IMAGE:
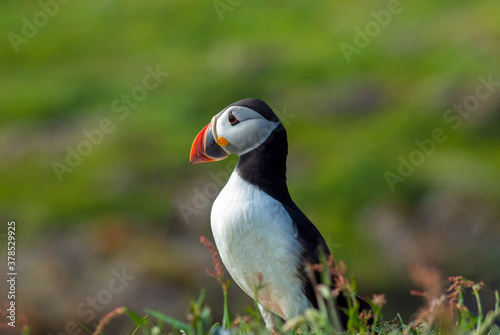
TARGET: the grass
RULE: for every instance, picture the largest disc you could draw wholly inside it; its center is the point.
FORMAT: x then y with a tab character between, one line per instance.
444	311
446	314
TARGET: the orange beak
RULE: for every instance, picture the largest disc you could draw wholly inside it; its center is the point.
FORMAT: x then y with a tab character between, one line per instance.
205	148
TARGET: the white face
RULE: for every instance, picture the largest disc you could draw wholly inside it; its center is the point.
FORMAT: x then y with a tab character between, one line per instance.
243	128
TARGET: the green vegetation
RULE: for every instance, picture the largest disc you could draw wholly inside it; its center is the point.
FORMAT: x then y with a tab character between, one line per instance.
348	123
444	313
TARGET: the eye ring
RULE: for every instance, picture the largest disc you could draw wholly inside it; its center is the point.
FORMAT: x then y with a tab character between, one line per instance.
233	120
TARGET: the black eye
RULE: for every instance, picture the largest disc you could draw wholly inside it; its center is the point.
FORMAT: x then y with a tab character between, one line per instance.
233	120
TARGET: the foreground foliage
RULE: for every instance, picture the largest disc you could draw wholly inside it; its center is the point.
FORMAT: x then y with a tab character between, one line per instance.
444	311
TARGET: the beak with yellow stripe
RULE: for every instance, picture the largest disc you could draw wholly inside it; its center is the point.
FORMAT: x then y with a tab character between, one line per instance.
207	146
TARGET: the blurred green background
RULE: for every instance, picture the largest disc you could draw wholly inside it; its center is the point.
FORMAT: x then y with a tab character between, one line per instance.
120	207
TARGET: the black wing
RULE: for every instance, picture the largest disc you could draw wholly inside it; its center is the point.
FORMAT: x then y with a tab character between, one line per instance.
314	245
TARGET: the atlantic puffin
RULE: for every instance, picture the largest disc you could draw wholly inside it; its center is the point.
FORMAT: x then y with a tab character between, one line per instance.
260	233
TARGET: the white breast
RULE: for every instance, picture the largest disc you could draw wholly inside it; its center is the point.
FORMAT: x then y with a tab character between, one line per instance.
255	237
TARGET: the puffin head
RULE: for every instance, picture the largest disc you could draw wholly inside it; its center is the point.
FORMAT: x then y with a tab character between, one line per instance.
238	129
